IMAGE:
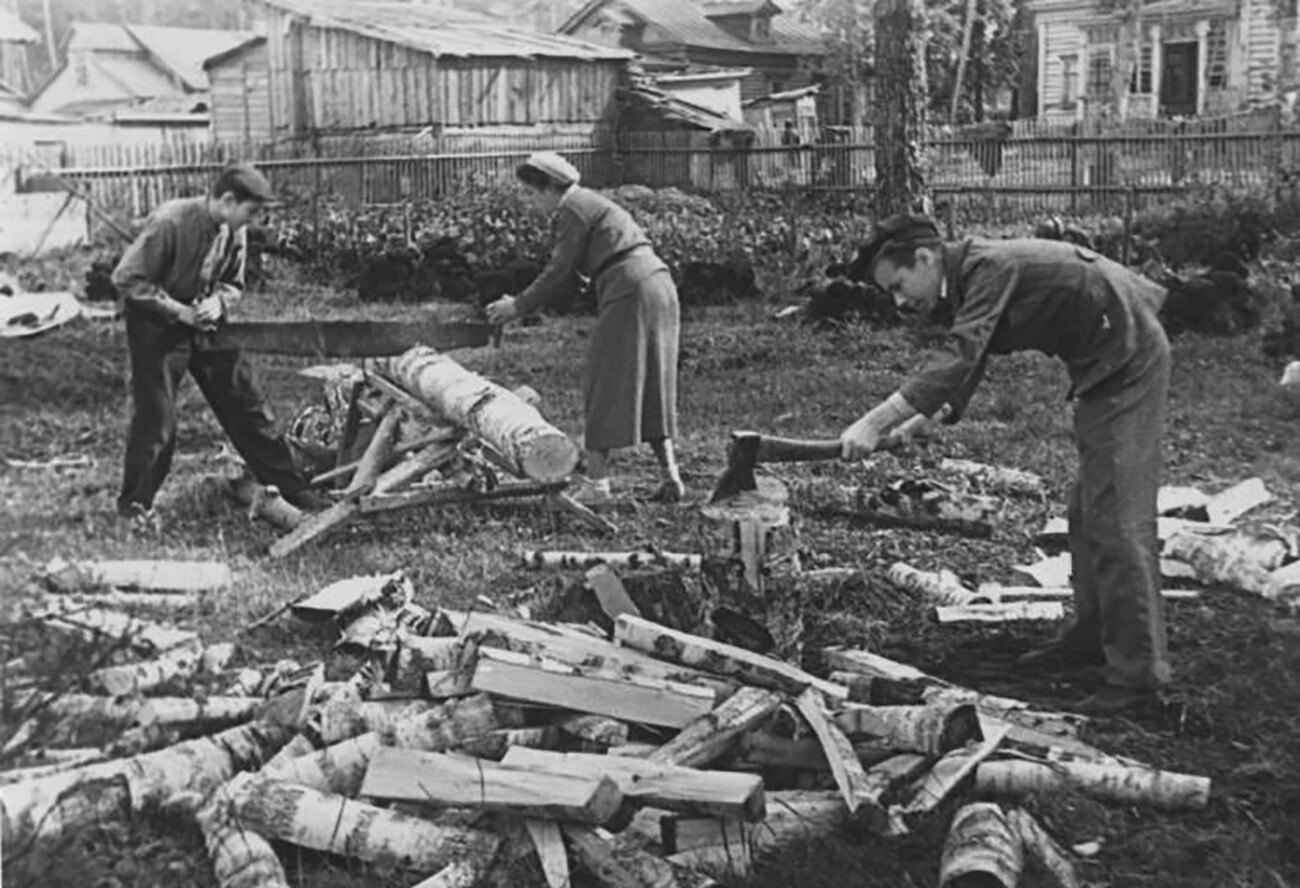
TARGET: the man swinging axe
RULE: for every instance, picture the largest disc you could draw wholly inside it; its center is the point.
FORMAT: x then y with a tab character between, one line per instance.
1003	296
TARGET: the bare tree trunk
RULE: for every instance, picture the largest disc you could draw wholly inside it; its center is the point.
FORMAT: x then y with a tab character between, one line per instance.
900	107
1126	56
972	9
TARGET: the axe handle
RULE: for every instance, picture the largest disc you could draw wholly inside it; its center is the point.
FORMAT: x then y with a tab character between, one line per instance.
773	449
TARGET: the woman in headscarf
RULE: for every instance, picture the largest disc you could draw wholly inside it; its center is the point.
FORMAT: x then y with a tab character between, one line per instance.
630	375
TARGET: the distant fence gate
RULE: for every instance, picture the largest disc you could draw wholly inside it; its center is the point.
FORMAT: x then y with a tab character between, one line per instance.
1005	178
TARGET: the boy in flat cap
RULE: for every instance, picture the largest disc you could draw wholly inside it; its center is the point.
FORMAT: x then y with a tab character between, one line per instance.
630	375
178	279
1100	318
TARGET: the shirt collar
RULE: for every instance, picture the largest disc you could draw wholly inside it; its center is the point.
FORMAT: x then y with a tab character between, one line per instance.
568	192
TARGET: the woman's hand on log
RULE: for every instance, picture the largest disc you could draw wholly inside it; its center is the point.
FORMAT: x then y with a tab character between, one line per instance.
504	309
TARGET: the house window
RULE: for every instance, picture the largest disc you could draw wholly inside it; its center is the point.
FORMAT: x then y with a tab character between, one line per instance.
1216	54
762	27
1099	67
82	70
1286	63
778	86
1141	82
1069	81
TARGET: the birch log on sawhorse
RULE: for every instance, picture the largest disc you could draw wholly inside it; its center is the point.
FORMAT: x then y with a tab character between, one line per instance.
533	447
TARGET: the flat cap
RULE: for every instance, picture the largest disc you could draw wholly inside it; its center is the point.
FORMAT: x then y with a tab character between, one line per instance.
554	166
905	228
244	179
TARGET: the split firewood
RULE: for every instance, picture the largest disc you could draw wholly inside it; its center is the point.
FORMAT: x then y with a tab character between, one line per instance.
1056	531
997	592
929	791
619	865
792	816
627	697
855	786
596	729
93	624
1039	844
420	654
336	825
941	587
709	736
999	478
240	858
671	787
1107	781
718	658
495	745
935	690
1189	501
610	594
538	558
444	780
265	503
533	447
52	806
341	766
145	576
932	730
351	594
299	746
468	872
179	665
1231	559
1229	505
549	843
568	645
343	717
1001	612
983	848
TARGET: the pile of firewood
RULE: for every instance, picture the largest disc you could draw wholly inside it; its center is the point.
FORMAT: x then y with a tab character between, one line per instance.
471	743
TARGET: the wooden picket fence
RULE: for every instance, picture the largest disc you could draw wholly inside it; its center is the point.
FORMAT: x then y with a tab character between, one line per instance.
1071	169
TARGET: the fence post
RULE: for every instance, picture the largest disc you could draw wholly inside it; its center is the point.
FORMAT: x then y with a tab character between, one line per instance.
1130	195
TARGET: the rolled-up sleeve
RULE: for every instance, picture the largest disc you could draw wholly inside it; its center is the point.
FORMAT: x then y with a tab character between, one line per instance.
560	277
952	373
143	267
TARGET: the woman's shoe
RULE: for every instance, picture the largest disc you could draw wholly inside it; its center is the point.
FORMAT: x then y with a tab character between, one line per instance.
672	490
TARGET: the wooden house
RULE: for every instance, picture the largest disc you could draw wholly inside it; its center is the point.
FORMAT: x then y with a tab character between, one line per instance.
16	40
781	52
338	68
112	68
1195	57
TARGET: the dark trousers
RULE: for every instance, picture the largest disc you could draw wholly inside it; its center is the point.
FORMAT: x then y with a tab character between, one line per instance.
1114	548
161	354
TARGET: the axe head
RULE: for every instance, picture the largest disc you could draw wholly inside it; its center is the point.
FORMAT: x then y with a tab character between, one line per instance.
742	456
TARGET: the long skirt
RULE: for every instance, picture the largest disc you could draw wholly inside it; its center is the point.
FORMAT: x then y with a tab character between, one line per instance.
630	376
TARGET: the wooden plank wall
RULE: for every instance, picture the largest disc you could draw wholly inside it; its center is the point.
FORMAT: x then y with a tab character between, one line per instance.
356	82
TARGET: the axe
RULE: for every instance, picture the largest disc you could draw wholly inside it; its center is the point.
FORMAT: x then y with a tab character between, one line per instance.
748	449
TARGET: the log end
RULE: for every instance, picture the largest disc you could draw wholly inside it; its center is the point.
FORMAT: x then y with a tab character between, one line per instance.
548	458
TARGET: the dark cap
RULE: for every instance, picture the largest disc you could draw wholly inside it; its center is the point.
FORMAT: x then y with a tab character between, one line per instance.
903	229
245	182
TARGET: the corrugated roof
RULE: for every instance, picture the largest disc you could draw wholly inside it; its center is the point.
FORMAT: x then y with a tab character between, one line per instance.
15	30
183	50
444	31
737	7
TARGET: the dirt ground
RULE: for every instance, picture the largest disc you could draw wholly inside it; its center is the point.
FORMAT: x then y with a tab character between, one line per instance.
1232	713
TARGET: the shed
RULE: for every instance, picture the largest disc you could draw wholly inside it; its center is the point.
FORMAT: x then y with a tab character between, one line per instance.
338	67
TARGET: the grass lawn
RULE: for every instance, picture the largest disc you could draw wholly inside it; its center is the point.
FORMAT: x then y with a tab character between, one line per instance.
1233	712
